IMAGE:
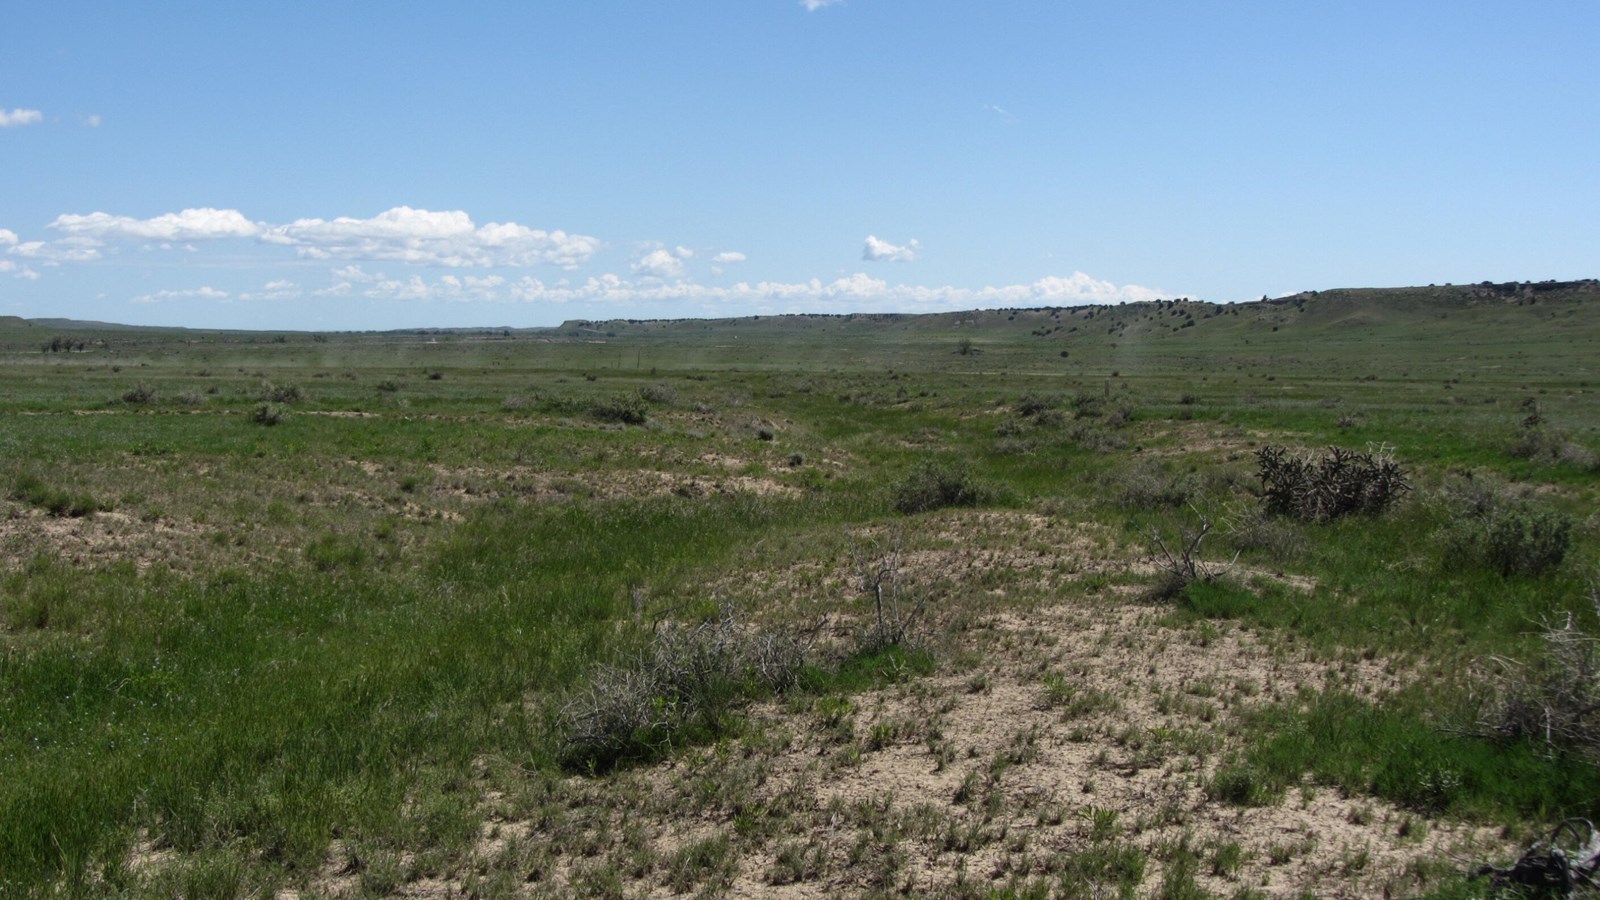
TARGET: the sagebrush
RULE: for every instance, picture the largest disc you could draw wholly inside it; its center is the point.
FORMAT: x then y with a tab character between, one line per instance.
934	485
688	676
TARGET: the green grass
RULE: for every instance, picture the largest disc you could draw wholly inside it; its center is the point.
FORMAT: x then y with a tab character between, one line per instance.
277	710
1407	752
237	642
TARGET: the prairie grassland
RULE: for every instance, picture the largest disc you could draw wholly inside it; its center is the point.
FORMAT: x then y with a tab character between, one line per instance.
316	615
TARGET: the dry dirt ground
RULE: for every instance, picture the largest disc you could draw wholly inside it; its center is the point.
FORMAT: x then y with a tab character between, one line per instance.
225	515
1066	743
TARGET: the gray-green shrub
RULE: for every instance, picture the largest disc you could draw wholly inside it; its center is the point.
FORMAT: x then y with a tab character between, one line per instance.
1493	526
287	393
269	414
629	409
687	677
1523	539
935	485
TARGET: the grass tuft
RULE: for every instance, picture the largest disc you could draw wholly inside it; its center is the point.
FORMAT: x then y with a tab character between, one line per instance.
30	489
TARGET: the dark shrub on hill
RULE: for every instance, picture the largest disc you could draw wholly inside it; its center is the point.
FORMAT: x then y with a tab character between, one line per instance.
139	394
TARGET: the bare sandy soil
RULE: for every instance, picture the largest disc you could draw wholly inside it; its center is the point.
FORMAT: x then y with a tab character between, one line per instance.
1068	723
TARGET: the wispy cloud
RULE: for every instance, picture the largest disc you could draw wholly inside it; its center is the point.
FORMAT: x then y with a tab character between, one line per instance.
17	270
814	5
1001	113
12	118
51	253
883	251
93	120
729	256
200	293
853	292
282	289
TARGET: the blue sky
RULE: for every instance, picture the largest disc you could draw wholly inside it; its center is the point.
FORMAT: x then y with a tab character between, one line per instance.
336	165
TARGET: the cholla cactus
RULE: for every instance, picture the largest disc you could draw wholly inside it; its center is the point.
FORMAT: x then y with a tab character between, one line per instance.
1340	483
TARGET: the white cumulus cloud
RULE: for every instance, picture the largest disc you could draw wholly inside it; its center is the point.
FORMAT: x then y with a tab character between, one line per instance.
7	237
729	256
20	117
189	225
883	251
424	237
402	234
659	264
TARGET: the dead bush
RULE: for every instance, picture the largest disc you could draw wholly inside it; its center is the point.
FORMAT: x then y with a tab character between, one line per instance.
1180	561
1554	700
877	567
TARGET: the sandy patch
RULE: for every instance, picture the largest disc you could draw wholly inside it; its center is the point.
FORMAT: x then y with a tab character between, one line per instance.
1081	726
95	540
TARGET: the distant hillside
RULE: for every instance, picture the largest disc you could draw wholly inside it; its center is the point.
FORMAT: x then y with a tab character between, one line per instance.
1387	303
1539	329
88	325
1522	330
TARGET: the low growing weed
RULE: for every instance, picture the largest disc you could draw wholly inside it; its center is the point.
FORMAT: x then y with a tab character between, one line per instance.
30	489
1395	751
